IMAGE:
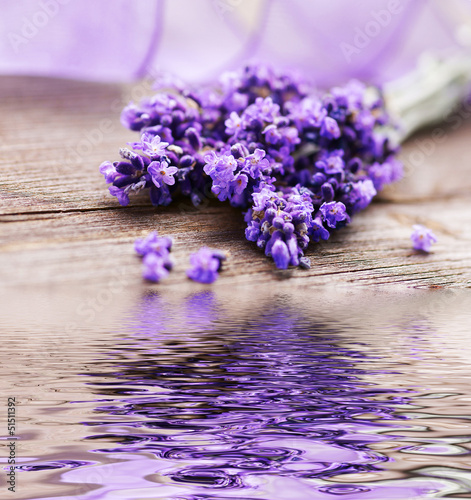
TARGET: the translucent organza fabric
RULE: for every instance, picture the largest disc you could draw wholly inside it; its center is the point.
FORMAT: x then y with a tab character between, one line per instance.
330	41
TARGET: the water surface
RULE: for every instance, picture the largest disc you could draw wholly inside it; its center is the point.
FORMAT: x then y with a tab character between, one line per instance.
242	394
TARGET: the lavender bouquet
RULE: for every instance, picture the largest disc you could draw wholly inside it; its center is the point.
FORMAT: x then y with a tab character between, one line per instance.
298	162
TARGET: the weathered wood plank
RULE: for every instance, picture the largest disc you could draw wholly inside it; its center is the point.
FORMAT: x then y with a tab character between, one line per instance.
59	225
94	246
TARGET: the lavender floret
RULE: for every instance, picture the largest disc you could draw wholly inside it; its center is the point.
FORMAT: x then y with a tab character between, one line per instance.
155	250
333	213
153	243
155	267
422	238
205	265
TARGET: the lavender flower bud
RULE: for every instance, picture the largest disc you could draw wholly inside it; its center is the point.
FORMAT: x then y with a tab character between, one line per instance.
334	183
318	179
278	222
354	165
178	117
270	213
238	150
280	254
194	138
125	168
166	120
255	125
288	229
186	161
327	192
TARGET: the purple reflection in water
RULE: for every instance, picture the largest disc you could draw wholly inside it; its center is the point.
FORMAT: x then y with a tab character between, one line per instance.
263	406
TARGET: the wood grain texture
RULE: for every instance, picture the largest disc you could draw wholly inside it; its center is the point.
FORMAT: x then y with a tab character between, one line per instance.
58	225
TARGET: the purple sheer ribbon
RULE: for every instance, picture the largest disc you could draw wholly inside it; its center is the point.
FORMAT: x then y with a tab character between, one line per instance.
121	40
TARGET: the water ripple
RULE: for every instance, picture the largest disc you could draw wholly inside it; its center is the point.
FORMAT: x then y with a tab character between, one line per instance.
269	402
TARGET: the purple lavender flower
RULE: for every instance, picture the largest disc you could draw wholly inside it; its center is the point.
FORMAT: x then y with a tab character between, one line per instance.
211	159
153	145
252	232
155	268
361	194
309	113
109	171
422	238
272	134
333	213
239	183
318	231
225	168
264	109
332	163
157	262
283	217
121	194
280	254
330	128
257	163
230	176
379	175
236	102
220	168
160	196
134	118
233	124
161	173
153	243
205	265
262	197
222	190
290	137
302	163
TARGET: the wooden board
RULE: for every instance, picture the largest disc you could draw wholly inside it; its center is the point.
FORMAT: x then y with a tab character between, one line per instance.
59	225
